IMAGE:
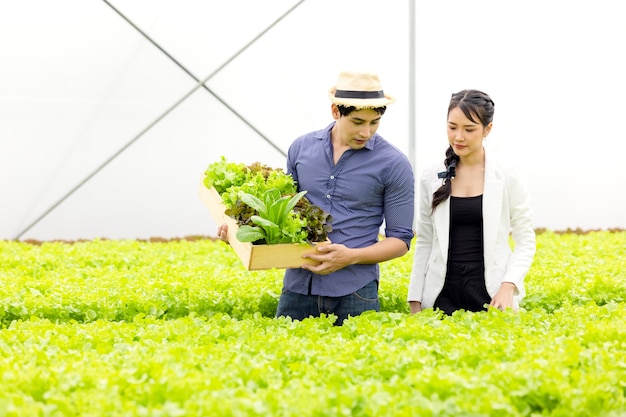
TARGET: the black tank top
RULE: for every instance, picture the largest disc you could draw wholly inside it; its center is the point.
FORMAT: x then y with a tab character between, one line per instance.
466	229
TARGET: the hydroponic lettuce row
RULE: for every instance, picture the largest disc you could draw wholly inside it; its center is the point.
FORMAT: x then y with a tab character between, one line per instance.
120	328
266	204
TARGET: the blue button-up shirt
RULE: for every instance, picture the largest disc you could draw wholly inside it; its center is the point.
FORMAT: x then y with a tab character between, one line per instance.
365	187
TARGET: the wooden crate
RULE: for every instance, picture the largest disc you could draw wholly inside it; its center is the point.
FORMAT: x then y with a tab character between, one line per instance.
256	257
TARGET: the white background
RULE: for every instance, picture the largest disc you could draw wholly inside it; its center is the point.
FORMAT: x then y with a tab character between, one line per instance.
78	83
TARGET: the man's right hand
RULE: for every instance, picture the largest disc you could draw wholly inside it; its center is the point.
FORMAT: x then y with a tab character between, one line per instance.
222	232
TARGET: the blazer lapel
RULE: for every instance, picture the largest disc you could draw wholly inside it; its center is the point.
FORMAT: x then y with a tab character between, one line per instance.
492	208
441	222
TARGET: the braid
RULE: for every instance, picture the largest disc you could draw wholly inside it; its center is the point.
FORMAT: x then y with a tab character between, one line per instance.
444	191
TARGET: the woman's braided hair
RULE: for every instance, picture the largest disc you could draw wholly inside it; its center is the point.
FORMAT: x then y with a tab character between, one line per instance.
475	105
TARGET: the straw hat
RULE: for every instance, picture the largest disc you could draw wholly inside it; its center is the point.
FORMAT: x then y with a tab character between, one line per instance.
359	89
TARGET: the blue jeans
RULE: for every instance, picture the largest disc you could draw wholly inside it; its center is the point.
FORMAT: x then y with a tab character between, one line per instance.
299	307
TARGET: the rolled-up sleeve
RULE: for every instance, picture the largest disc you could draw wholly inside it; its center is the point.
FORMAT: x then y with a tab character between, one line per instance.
400	203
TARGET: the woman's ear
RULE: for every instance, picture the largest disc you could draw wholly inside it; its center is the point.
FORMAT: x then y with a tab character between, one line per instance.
488	129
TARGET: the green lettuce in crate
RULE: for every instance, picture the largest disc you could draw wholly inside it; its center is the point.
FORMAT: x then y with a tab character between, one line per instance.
266	204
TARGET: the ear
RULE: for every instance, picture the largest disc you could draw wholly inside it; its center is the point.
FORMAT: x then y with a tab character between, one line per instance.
488	129
335	111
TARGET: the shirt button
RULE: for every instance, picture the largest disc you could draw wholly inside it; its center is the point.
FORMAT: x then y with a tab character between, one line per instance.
327	195
332	177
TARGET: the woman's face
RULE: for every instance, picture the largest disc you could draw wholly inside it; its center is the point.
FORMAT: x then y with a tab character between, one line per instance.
465	136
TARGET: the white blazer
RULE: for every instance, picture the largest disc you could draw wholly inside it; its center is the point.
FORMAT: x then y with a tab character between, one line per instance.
506	212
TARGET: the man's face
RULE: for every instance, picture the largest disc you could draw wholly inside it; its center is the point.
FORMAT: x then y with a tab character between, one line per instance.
355	129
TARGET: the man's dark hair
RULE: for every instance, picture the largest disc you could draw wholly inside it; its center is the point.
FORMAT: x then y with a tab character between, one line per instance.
346	110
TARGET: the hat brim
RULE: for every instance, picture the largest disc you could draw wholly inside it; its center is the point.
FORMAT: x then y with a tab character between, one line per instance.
370	103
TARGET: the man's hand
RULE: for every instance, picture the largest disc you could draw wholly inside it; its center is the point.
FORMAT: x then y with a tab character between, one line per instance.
222	232
332	258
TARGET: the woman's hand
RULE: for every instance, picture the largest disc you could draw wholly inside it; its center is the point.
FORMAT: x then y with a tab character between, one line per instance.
415	306
504	297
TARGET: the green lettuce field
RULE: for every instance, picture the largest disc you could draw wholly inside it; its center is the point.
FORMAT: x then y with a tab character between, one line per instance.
179	328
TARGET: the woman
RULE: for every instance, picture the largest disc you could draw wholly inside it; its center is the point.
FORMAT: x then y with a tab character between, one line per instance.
468	207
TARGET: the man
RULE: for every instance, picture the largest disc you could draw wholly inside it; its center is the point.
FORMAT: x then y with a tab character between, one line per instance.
362	180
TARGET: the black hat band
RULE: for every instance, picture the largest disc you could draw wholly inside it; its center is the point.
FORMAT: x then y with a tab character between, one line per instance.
359	94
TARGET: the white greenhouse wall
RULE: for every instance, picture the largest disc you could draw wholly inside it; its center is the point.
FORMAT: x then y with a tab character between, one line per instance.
78	83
